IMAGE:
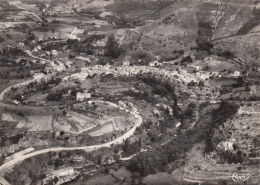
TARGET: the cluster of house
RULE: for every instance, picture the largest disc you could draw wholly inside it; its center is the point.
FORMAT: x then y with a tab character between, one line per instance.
180	75
155	64
240	131
226	145
52	53
63	174
165	107
128	105
54	66
84	59
205	94
83	96
57	10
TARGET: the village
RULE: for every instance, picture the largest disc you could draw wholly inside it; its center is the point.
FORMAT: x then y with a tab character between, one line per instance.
77	121
129	92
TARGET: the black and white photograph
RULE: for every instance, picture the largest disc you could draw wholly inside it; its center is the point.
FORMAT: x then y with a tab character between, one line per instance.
129	92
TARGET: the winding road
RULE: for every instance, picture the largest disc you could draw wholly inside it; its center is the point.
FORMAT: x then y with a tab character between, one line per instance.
10	164
16	159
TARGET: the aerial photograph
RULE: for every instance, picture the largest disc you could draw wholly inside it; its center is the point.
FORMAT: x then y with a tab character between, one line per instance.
129	92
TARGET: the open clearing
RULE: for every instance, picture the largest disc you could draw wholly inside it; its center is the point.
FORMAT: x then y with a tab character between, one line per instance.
40	123
106	128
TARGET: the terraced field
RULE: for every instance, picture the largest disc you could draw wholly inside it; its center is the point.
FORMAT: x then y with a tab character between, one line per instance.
96	123
239	132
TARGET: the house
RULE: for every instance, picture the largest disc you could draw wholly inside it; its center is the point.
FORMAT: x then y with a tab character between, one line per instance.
21	44
78	158
48	53
37	48
127	61
236	74
106	67
83	96
226	145
122	104
16	102
68	63
178	124
38	76
15	3
156	112
157	57
155	63
151	64
87	60
54	52
63	172
134	109
215	74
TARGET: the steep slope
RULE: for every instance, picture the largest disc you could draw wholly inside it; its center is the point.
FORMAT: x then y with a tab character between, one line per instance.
190	23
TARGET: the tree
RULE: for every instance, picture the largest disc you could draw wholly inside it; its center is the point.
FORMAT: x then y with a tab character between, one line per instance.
58	162
126	145
240	82
140	142
112	47
62	154
73	93
209	147
222	183
54	96
99	159
186	60
62	133
256	141
201	84
42	176
18	97
56	179
30	37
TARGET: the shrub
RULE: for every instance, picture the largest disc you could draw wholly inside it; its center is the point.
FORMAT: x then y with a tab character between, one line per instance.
112	47
54	96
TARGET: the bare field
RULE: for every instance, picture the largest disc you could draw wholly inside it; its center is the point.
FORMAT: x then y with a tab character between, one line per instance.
40	123
104	129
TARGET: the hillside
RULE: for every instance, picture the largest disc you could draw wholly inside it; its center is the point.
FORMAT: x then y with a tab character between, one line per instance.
189	24
167	26
130	92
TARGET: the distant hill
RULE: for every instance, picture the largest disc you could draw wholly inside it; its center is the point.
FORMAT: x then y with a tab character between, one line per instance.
166	26
185	23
